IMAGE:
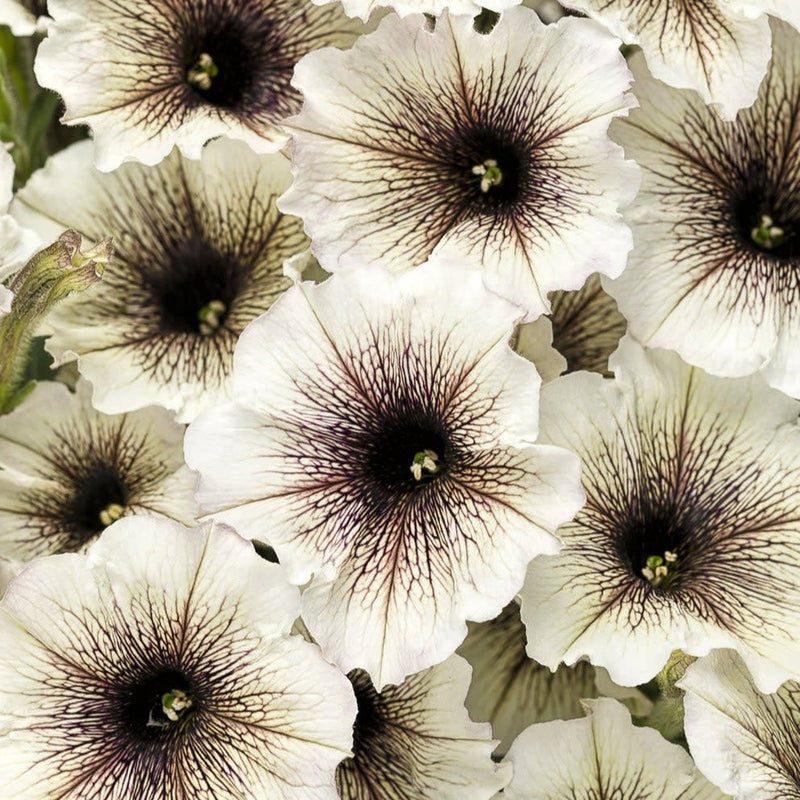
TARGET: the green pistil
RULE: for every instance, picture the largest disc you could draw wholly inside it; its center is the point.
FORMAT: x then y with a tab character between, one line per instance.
424	462
175	703
210	316
489	173
202	71
767	235
660	571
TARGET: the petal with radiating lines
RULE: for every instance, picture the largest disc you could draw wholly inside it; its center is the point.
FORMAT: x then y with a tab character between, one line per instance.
383	443
690	532
160	667
715	270
492	148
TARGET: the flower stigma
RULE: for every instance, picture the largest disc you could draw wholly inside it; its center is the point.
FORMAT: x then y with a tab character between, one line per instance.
111	513
210	316
424	462
490	174
173	706
202	71
660	571
767	235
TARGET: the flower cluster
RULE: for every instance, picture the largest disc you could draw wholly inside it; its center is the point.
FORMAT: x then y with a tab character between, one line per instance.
399	399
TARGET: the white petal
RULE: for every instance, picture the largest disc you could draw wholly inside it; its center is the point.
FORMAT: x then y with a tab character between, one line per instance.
708	46
416	740
602	755
155	598
744	741
707	186
62	463
121	70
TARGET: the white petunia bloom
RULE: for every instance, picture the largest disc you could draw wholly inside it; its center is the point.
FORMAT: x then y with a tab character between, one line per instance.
744	741
602	755
382	441
159	667
710	46
491	148
153	74
416	741
512	691
690	535
67	471
717	226
199	248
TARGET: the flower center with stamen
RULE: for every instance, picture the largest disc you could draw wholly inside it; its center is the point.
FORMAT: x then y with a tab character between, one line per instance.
158	703
211	316
111	513
767	235
194	287
660	571
650	545
202	71
100	496
424	462
173	705
489	173
407	451
489	168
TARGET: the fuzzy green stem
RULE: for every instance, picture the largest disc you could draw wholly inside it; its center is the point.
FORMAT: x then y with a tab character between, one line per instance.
51	275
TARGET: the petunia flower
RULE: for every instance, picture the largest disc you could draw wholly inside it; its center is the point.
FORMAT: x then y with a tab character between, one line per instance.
382	441
491	148
714	273
159	667
743	740
712	46
512	691
416	741
690	531
602	755
67	471
199	248
154	74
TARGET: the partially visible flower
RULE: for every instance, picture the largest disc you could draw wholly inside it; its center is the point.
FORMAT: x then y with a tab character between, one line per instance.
198	252
583	328
709	46
416	741
715	271
153	74
690	535
602	755
17	244
744	741
22	16
363	8
160	668
67	471
487	147
512	691
382	441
